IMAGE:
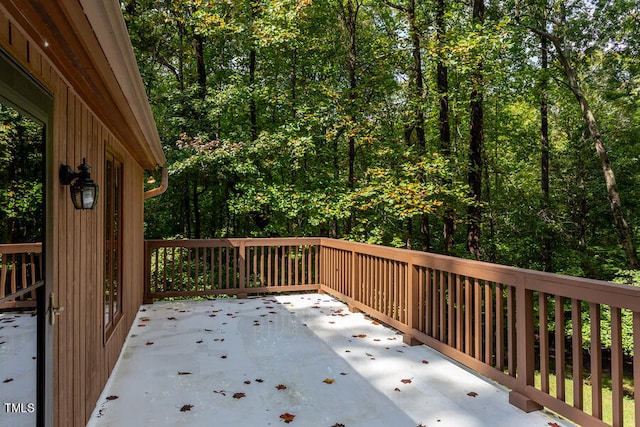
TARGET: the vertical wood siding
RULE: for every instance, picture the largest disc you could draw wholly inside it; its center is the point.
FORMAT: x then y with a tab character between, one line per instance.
82	358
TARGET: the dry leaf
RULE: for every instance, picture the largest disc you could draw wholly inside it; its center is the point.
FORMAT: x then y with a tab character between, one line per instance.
149	342
338	425
238	395
199	342
144	319
281	387
184	373
112	397
287	417
554	425
8	380
472	394
329	381
406	381
222	392
186	408
259	380
396	389
247	382
224	356
425	362
171	318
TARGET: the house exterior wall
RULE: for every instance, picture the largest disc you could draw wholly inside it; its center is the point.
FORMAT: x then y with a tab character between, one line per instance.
83	356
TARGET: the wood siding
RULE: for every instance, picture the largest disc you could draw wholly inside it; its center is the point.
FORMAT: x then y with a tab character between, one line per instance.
83	360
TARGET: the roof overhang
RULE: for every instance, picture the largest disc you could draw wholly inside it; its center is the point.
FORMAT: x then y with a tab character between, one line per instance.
88	42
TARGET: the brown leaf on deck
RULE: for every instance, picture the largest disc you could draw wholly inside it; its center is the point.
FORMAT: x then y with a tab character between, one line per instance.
287	417
186	408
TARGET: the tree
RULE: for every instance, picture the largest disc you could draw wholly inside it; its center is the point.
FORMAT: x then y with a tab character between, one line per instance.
563	52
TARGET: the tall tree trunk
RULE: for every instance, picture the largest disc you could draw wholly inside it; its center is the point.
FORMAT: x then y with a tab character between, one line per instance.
544	158
198	47
475	147
444	126
253	116
418	95
349	15
624	233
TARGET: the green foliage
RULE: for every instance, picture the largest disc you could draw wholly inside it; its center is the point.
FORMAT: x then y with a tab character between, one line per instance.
291	177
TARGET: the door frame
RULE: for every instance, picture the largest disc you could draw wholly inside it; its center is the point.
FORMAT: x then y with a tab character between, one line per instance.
21	91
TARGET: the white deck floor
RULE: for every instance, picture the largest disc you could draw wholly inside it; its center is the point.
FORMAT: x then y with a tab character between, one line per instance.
302	360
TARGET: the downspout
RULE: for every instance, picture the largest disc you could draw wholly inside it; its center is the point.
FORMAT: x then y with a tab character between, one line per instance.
164	183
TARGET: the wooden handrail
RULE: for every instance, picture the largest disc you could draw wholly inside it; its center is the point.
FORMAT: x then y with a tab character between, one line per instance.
20	272
497	320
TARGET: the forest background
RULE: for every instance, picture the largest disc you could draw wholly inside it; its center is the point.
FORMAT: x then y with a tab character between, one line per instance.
501	131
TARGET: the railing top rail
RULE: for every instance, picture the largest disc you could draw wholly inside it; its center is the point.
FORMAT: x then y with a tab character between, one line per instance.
234	242
18	248
590	290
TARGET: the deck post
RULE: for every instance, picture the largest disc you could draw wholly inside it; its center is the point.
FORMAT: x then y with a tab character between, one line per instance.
242	260
413	300
147	274
525	349
354	286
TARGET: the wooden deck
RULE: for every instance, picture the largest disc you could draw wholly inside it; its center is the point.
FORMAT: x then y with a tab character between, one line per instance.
497	320
251	362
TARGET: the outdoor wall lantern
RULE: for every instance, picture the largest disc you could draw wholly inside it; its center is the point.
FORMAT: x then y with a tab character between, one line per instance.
84	192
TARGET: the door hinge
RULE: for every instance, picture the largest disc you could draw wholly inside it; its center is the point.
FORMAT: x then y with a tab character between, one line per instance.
53	310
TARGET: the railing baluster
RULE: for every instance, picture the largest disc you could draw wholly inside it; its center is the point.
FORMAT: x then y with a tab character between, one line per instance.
543	333
596	361
576	356
616	367
559	348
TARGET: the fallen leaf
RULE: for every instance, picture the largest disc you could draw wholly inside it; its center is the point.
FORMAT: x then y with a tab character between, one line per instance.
238	395
149	342
184	373
186	408
199	342
406	381
259	380
554	425
224	356
343	373
472	394
144	319
281	387
8	380
396	389
329	381
338	425
360	336
369	354
247	382
287	417
171	318
375	323
222	392
141	325
112	397
425	362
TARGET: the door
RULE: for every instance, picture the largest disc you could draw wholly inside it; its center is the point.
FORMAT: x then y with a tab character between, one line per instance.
26	178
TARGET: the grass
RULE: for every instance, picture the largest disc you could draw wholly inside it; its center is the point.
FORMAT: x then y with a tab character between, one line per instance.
627	401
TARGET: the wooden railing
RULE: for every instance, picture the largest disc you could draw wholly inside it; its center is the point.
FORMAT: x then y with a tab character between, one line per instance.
20	274
188	268
500	321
